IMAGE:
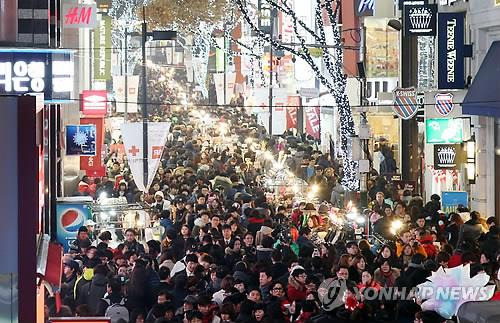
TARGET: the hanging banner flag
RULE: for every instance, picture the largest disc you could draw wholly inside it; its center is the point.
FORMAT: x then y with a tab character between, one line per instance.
102	49
291	111
444	103
133	90
312	115
260	100
133	141
219	87
93	165
451	50
280	99
405	103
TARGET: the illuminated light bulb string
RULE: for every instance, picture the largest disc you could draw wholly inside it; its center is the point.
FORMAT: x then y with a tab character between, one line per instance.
337	85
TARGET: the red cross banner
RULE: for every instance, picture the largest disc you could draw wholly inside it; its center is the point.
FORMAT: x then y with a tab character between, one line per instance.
132	140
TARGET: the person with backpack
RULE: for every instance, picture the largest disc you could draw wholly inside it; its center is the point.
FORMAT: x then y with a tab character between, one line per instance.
112	305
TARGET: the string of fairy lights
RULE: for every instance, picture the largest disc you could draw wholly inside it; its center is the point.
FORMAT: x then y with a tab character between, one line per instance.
332	76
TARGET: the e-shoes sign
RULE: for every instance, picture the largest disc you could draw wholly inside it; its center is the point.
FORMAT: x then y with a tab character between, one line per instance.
420	20
451	50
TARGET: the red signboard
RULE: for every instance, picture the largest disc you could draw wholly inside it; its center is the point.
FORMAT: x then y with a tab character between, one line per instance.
312	121
291	111
92	165
94	103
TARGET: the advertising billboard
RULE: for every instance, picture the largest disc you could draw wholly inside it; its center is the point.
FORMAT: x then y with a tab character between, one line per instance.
444	131
70	217
47	71
450	201
81	140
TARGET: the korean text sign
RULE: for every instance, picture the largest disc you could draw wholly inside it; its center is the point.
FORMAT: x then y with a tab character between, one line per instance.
44	71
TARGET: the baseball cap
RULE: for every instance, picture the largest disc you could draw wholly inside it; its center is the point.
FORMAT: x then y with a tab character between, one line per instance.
89	222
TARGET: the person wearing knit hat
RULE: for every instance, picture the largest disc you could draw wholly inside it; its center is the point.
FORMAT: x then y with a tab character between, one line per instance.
297	284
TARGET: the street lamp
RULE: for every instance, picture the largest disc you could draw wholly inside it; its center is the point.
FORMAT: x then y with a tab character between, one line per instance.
156	35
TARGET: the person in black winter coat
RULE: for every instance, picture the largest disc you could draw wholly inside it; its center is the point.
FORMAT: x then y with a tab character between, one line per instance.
136	288
471	230
97	287
114	296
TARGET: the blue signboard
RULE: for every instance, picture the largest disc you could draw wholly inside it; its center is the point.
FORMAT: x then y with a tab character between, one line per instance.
451	200
451	50
81	140
47	71
70	217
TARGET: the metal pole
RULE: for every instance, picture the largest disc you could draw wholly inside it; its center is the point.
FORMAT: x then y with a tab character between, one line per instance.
126	74
225	69
145	147
271	76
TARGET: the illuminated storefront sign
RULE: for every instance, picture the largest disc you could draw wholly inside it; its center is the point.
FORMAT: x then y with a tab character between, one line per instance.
444	131
25	71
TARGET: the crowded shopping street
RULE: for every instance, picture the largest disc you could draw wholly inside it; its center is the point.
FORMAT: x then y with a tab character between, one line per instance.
244	161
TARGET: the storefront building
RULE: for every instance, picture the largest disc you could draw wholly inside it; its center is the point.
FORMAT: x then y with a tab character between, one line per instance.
482	103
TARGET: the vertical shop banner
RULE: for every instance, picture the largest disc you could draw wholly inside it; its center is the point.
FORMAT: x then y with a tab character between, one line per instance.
102	49
280	100
260	100
264	13
312	121
93	165
291	111
133	91
219	87
133	142
451	50
451	200
70	217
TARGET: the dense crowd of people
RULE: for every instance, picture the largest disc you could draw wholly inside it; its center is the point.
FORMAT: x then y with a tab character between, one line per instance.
232	252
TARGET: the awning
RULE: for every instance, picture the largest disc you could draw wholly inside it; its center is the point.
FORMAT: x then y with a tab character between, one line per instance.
483	97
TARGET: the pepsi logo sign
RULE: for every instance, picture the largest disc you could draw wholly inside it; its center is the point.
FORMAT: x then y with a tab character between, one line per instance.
72	220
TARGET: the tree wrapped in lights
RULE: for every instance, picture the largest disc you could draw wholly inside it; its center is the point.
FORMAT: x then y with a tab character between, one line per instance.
332	77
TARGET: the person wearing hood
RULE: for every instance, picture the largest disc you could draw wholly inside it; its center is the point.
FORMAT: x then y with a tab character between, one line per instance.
160	203
297	290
